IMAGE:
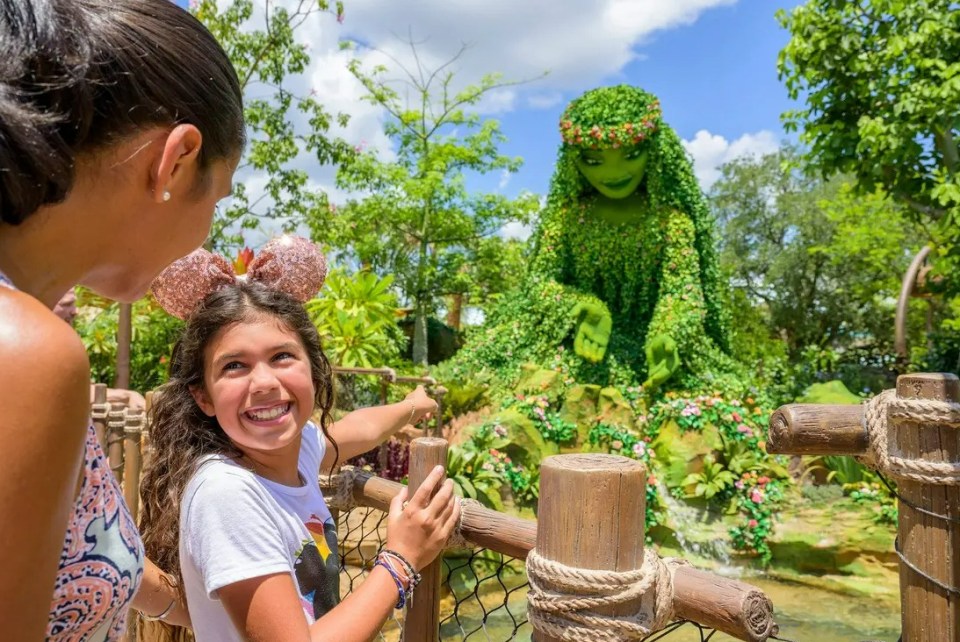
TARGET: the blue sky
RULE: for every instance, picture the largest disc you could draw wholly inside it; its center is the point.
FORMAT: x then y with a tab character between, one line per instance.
711	62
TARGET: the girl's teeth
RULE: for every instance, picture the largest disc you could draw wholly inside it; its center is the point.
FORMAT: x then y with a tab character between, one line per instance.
267	415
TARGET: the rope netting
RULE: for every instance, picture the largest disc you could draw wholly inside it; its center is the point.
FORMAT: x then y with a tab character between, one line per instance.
484	593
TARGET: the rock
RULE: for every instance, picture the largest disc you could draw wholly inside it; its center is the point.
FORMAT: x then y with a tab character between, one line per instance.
535	380
833	392
614	410
580	408
527	444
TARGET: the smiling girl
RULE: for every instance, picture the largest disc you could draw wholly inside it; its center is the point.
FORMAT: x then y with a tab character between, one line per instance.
233	509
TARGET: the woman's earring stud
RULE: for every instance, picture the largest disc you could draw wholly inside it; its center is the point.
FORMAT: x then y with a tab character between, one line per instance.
166	196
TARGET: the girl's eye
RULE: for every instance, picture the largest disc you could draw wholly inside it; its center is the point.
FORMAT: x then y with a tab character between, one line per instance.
635	154
283	355
233	365
592	162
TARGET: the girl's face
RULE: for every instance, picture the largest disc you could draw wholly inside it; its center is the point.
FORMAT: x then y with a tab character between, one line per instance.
257	384
615	173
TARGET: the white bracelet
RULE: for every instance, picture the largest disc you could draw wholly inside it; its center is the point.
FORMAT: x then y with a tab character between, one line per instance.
162	616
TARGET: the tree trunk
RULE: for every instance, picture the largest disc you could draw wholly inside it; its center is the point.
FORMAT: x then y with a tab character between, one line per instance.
455	311
420	332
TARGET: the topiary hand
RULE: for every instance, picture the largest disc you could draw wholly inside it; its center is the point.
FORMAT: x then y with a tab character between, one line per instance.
662	360
593	330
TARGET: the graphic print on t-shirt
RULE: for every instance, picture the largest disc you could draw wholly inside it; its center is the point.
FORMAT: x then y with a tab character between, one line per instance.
317	568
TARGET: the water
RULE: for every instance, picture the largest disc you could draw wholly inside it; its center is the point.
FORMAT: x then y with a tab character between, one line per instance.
804	614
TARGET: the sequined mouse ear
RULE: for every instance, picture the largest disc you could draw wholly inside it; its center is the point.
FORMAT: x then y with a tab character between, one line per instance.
290	264
187	281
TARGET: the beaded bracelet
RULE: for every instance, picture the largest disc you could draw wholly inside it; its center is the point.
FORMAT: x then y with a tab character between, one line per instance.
401	594
415	577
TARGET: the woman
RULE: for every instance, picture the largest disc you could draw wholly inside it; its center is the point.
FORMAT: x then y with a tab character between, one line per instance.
113	154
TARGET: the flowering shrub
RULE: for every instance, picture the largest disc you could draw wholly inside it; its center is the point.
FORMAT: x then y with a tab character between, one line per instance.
548	421
757	497
619	441
873	494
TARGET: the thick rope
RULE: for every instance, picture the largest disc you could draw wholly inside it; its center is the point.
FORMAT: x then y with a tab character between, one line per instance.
99	411
563	600
337	489
457	538
876	415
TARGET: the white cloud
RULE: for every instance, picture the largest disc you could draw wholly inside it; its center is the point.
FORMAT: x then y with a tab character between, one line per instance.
710	151
515	230
580	42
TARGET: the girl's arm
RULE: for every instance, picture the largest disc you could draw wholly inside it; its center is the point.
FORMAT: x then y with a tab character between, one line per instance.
268	608
365	429
44	384
156	594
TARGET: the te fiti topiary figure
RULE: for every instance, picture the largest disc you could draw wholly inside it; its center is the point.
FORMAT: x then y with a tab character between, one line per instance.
623	285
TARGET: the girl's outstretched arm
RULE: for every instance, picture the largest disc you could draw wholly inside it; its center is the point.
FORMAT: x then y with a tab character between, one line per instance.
157	594
365	429
267	608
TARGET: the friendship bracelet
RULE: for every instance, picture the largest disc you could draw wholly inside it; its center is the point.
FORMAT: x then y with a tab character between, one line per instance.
413	410
401	594
412	572
162	616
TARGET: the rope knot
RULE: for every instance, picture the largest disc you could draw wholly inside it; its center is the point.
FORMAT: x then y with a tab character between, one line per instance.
563	600
876	415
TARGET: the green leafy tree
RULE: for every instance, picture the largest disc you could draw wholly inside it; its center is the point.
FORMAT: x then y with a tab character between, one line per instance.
813	263
259	37
356	317
417	219
880	80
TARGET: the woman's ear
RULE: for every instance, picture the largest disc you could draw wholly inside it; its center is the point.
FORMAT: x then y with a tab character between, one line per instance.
176	168
200	396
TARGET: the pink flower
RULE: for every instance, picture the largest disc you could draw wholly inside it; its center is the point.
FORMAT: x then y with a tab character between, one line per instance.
616	444
739	484
639	448
763	480
499	431
743	428
752	523
736	417
756	496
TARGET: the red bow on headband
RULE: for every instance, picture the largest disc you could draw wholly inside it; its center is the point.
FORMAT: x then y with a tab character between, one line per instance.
290	264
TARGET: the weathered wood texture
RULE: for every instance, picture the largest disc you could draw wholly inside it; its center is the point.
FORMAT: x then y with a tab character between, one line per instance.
929	613
737	609
422	623
815	429
132	464
100	424
116	421
591	516
515	536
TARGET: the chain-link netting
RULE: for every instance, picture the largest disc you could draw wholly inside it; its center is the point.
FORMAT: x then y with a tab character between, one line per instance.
483	595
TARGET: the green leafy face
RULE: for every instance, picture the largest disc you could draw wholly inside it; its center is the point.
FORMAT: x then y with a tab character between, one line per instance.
615	173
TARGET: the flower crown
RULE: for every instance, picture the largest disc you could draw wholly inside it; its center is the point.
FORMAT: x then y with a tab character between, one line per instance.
610	117
290	264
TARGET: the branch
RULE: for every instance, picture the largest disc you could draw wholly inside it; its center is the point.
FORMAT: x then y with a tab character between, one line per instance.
936	213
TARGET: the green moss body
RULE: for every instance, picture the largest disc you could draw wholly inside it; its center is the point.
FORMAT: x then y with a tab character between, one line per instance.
655	272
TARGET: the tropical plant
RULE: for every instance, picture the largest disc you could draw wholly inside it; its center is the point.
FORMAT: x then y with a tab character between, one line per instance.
356	318
711	480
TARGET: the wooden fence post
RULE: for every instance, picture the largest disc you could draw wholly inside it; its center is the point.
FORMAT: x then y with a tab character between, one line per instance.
132	463
591	515
100	422
116	421
932	545
422	623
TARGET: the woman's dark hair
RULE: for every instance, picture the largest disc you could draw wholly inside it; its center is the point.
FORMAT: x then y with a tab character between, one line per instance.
77	75
181	434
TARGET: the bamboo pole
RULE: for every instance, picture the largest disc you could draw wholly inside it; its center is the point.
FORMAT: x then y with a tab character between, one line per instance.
116	420
929	613
132	463
422	623
100	424
814	429
591	516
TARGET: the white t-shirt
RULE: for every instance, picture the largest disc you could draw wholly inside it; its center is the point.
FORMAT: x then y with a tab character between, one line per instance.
235	525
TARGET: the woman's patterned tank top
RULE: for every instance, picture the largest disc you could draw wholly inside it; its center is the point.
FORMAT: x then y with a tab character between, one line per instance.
101	563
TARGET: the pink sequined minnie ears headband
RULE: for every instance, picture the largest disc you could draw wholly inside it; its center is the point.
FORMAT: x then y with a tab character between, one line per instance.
290	264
